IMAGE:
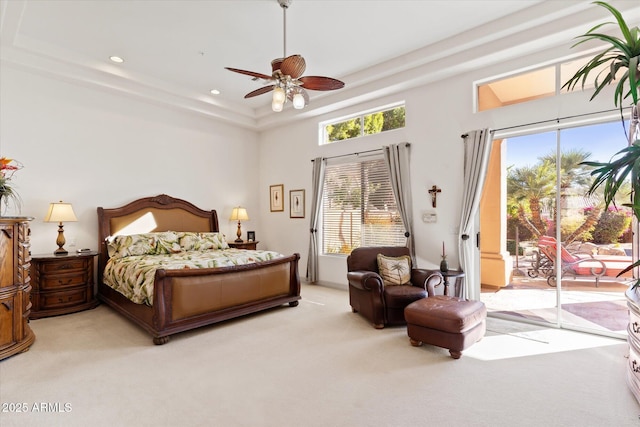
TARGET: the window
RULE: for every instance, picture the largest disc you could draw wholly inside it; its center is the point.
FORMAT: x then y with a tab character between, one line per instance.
363	124
540	83
359	208
516	89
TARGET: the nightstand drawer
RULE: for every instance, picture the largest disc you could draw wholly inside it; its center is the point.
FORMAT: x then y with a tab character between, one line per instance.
65	266
62	281
62	299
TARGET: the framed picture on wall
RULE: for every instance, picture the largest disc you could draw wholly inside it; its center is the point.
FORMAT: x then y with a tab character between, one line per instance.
276	198
296	204
251	236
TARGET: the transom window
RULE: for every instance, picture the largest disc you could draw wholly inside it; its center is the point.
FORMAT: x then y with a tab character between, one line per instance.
539	83
367	123
359	208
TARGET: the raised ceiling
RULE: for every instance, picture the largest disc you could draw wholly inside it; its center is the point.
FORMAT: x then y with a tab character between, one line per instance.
175	51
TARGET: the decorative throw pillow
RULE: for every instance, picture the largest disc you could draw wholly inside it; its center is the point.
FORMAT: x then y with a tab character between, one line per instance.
212	241
167	242
143	244
395	270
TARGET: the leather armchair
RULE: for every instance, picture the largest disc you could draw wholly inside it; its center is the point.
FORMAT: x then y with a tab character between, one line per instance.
384	305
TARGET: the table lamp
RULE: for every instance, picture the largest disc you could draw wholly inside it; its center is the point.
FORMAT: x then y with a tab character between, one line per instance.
239	214
60	212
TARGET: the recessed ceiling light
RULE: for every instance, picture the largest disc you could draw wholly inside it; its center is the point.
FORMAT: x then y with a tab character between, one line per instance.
215	91
116	59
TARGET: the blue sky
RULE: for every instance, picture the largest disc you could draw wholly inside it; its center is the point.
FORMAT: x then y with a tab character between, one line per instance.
601	140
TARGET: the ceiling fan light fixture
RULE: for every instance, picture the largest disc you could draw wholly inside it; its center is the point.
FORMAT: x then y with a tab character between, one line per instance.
279	95
286	80
298	101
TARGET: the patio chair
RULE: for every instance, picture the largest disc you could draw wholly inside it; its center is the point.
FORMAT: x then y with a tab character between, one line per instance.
576	264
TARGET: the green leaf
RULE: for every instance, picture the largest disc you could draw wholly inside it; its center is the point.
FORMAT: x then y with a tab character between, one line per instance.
624	28
633	81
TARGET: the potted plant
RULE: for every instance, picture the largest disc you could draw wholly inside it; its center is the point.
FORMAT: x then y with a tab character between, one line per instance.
7	191
622	55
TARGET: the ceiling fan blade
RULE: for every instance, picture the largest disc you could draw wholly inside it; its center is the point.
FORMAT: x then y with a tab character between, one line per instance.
321	83
293	66
250	73
276	64
260	91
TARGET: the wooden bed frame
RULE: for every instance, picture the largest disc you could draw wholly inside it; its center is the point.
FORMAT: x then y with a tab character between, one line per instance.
189	298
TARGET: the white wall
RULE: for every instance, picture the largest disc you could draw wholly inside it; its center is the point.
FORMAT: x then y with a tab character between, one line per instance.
96	148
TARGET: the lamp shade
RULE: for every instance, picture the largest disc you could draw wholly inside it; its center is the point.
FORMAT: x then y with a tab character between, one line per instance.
298	101
239	214
60	212
279	96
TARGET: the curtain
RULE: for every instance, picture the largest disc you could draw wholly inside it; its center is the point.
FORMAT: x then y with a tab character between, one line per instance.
317	185
396	157
477	146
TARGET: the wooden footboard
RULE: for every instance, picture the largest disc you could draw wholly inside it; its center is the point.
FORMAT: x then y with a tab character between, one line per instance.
191	298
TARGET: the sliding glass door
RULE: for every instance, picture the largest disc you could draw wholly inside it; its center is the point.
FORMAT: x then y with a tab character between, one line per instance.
567	249
597	240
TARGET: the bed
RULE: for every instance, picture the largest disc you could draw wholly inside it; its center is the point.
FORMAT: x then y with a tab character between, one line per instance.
187	298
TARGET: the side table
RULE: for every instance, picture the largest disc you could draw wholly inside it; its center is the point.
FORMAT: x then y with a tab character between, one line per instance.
458	275
244	245
62	284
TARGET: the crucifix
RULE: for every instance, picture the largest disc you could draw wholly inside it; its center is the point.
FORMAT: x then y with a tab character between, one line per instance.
434	192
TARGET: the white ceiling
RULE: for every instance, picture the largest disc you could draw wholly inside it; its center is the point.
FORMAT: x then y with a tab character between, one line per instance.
175	51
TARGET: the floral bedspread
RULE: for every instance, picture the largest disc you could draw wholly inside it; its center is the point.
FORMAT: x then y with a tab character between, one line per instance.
133	276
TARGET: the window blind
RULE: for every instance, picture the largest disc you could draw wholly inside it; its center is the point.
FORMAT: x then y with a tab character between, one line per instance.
359	208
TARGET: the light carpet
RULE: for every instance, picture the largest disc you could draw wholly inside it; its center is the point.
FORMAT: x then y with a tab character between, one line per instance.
317	364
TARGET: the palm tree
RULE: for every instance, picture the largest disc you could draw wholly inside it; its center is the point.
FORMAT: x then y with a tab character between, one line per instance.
573	172
529	186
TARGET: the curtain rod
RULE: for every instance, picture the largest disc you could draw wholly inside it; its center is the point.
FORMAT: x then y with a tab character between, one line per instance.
557	120
357	153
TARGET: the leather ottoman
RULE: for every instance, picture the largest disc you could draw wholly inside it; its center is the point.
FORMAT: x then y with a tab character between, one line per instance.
447	322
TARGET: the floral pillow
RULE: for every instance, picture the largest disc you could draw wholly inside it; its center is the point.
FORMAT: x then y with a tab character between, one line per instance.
395	270
212	241
189	241
144	244
166	242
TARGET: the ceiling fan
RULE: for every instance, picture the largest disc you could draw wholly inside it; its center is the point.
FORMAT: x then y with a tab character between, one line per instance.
286	80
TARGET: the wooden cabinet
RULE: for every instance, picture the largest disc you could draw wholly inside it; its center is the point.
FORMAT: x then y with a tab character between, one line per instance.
62	284
15	334
243	245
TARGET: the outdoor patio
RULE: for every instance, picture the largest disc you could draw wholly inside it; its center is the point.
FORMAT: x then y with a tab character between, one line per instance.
584	305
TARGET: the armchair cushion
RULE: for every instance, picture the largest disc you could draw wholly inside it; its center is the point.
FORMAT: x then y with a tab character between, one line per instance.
395	270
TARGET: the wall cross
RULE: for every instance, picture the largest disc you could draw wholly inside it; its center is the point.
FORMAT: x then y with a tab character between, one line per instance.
434	192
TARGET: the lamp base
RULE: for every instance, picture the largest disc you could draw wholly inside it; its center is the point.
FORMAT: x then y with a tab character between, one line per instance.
60	241
238	233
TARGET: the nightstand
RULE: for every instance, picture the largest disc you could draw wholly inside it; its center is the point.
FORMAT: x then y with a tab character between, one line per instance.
244	245
62	284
